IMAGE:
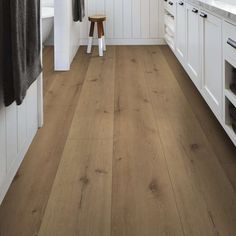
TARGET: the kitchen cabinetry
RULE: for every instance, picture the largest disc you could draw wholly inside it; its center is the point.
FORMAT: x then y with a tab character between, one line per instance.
229	82
205	45
169	23
181	31
212	58
193	44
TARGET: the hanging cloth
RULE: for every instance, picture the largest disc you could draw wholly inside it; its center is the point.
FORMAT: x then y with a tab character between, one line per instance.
78	10
22	61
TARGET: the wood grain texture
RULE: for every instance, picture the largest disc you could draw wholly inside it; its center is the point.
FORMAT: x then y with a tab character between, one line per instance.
129	148
181	133
23	208
82	187
222	145
143	202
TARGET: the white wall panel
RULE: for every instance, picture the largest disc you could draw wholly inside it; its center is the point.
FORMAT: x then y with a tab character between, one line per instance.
127	18
154	19
145	18
110	19
100	6
47	3
11	135
3	159
128	21
118	19
66	34
18	126
22	125
136	18
84	26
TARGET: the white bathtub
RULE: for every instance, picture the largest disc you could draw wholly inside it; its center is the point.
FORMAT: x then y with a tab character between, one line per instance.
47	21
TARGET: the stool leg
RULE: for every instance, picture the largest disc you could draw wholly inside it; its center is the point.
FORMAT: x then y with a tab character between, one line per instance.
100	44
90	41
103	38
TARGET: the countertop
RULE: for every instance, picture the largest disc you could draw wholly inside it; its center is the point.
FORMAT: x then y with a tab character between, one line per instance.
221	8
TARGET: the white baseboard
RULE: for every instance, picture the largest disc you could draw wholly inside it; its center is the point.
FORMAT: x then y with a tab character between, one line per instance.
158	41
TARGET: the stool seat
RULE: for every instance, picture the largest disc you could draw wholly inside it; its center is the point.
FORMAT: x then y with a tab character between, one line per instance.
97	18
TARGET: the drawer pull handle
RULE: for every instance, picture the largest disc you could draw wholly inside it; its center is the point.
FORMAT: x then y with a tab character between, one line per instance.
232	43
171	3
181	3
195	10
203	15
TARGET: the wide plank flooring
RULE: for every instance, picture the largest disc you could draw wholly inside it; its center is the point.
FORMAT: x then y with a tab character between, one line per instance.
129	148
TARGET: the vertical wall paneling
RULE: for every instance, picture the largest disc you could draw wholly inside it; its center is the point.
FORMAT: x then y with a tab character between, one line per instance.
128	21
154	18
21	126
127	17
92	6
11	135
31	110
100	6
109	10
66	35
84	26
145	18
136	15
118	18
161	27
18	126
2	144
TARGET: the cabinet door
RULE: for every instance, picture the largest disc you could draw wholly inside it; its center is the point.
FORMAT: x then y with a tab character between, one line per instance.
193	45
212	83
181	31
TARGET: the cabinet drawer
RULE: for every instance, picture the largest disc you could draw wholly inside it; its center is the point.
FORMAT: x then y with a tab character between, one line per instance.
169	5
165	3
230	41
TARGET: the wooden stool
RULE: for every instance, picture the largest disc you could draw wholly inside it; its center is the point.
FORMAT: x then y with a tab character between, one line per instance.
101	36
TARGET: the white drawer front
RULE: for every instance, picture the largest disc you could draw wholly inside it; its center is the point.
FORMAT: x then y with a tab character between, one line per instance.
170	6
230	41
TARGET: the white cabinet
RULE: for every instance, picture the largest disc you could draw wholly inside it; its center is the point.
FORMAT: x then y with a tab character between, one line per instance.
199	47
181	31
212	58
193	45
169	23
229	62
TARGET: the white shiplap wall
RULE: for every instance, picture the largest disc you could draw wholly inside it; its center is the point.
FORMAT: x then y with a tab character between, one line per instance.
18	126
66	35
128	21
47	3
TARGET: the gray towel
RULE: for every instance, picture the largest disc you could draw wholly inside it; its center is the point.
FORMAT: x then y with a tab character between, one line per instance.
22	63
78	10
6	66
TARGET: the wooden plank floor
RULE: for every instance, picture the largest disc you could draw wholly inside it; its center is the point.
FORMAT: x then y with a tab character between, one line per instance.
129	148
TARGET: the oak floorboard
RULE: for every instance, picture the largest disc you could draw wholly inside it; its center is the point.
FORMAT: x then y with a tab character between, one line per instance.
128	148
143	203
214	212
217	137
23	207
80	201
48	67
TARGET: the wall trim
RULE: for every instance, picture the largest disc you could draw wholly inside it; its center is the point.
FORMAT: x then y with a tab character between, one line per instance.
159	41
